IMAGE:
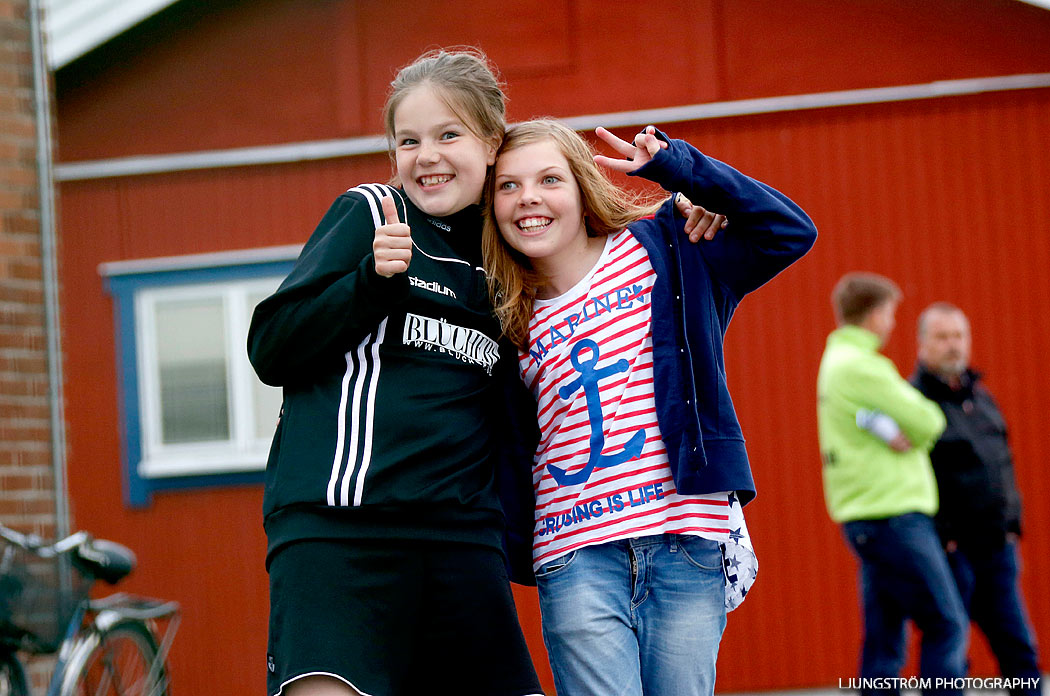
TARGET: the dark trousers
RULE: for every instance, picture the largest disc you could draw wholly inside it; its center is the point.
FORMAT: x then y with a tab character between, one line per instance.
987	580
904	574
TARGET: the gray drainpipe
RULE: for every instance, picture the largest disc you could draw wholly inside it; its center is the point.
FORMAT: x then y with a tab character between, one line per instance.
48	251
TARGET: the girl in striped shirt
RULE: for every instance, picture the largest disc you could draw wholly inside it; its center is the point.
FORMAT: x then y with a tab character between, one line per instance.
636	562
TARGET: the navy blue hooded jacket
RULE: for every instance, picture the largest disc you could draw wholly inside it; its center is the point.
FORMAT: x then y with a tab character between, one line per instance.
698	287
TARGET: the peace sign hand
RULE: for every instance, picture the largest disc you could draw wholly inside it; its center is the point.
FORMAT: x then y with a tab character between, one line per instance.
392	246
636	155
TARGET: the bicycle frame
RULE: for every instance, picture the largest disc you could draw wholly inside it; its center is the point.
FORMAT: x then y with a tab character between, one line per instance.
92	619
81	639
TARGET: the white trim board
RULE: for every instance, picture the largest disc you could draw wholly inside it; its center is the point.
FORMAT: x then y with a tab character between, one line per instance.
349	147
217	259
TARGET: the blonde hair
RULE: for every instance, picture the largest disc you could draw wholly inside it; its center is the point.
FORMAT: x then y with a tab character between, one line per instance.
468	83
607	209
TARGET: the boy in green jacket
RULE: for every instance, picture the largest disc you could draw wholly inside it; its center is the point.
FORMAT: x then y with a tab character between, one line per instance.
875	433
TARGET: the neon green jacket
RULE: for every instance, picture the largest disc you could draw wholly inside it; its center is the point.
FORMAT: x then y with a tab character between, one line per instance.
863	477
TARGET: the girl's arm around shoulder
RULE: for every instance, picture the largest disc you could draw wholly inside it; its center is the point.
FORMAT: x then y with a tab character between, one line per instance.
332	298
515	435
766	230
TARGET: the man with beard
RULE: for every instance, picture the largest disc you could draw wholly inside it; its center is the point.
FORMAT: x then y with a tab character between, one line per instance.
979	520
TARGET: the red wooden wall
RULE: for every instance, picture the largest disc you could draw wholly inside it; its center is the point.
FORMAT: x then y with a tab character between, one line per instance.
947	196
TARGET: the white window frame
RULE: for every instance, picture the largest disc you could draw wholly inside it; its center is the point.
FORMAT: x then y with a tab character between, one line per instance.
242	451
136	285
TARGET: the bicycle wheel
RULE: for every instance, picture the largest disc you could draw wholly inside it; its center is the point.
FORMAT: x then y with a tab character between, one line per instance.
124	662
12	677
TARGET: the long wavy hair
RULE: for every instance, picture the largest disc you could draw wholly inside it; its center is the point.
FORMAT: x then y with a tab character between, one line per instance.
607	209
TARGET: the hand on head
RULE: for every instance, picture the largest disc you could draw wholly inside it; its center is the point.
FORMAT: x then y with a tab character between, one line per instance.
700	222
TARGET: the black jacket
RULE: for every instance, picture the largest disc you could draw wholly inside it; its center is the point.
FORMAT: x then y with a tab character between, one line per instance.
383	430
980	503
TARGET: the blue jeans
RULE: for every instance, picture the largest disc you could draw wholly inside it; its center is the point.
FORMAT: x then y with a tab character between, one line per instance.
904	574
634	616
987	581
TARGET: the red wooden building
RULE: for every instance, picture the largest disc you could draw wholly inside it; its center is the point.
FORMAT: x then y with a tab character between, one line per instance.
199	147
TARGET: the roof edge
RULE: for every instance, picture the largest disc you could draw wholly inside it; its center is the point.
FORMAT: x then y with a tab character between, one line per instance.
77	27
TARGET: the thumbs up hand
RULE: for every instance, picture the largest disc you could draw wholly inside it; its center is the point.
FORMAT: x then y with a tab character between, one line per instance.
393	243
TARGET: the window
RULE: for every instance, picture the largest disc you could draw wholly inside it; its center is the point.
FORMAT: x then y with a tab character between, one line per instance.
193	411
202	409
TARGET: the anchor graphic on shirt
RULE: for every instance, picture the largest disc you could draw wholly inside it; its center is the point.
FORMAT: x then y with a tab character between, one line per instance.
588	381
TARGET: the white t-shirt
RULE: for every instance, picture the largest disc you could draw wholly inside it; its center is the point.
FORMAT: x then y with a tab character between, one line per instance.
601	471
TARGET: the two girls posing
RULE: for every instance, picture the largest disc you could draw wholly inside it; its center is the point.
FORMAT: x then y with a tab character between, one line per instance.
384	530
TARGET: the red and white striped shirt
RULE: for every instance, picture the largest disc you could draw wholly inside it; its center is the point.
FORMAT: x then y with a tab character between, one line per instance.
601	471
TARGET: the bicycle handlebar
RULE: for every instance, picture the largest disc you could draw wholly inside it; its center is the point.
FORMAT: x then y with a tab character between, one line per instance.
34	543
98	558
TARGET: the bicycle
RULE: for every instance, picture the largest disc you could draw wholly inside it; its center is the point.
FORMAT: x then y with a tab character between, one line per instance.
105	647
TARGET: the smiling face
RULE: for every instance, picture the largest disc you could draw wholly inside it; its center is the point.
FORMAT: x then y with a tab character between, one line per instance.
440	162
537	204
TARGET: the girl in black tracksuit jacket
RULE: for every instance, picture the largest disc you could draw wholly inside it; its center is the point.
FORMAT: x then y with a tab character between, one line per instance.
384	532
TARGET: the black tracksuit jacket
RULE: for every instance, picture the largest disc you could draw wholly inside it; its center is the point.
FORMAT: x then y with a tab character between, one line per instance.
383	430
